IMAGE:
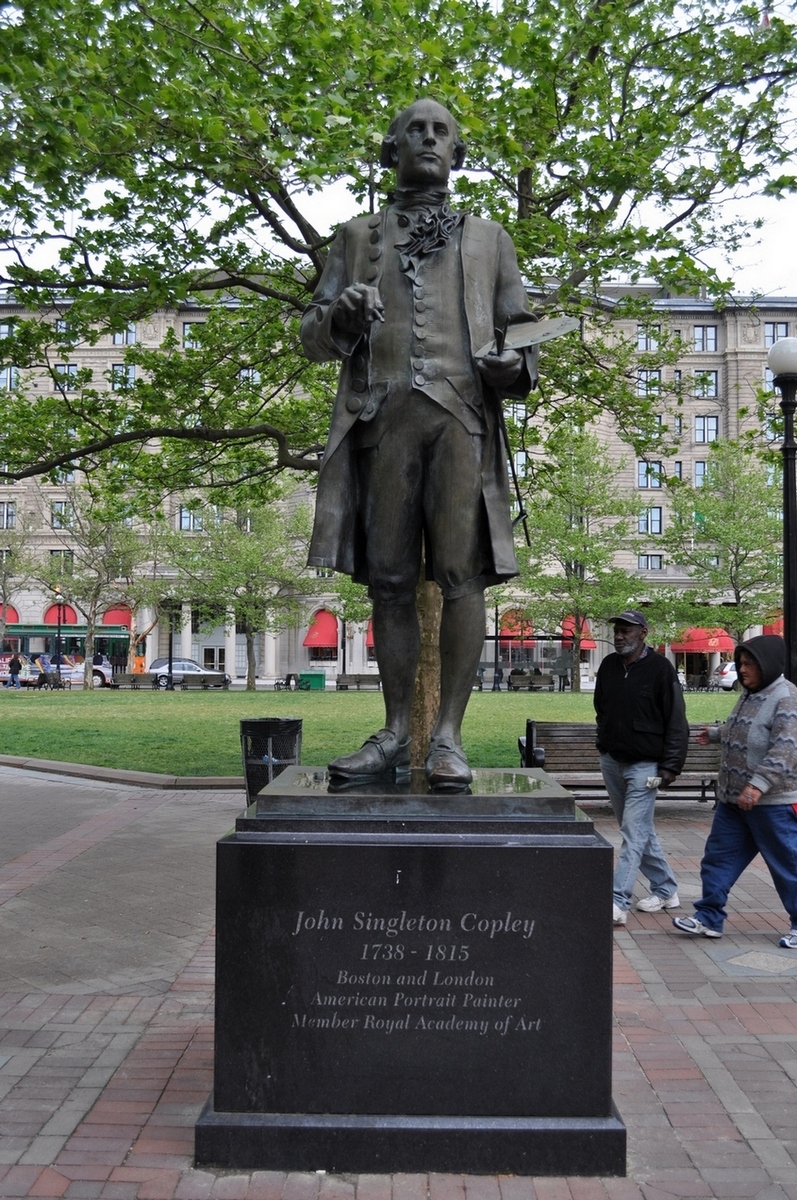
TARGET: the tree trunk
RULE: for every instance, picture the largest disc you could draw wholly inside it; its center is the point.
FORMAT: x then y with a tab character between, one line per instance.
88	653
575	670
426	700
251	665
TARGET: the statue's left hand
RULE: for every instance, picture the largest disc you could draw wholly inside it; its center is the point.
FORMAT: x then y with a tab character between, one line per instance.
500	370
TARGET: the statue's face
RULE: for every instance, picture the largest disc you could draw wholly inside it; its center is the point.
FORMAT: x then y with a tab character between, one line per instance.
424	148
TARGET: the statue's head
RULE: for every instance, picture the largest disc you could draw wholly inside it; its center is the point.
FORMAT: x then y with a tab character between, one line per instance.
424	145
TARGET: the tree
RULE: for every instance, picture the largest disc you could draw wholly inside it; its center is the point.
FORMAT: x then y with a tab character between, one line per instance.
102	560
729	533
16	563
247	567
581	520
158	151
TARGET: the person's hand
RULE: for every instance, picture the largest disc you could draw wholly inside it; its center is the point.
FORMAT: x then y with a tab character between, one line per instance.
749	797
701	737
500	370
357	307
667	778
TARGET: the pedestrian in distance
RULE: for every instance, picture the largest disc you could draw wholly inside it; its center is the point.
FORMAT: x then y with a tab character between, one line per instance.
14	669
756	811
642	738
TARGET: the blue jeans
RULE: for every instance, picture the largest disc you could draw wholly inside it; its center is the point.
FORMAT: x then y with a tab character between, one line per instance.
735	839
633	803
13	681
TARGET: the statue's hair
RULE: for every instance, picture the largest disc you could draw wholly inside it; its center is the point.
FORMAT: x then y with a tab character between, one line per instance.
389	141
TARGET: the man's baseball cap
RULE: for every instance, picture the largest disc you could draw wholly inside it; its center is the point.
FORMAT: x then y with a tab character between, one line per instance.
631	617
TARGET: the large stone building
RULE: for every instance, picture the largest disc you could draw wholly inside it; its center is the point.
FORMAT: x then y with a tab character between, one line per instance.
721	372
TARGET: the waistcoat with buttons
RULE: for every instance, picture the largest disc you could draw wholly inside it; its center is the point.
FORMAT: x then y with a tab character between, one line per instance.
423	343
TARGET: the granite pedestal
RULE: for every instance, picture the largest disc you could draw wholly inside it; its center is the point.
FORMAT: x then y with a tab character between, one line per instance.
414	982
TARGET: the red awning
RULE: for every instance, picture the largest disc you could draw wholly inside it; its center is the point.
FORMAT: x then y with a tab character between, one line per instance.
11	615
369	636
118	616
68	615
703	641
569	628
775	628
515	627
323	630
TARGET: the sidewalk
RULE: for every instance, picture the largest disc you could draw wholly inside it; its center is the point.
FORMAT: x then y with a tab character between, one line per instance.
106	1006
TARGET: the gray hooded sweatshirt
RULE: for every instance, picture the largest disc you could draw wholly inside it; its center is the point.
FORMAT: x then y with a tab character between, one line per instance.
759	739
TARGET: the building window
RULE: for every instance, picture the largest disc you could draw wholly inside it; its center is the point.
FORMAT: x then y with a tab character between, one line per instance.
774	331
122	376
707	429
769	379
650	520
648	474
249	374
705	338
192	337
521	462
61	514
8	514
6	329
700	473
8	379
677	426
62	561
518	412
648	383
65	378
189	521
323	573
125	337
64	330
678	469
649	562
323	653
706	383
647	337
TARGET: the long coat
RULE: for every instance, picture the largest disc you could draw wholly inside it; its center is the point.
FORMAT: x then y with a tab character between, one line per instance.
493	293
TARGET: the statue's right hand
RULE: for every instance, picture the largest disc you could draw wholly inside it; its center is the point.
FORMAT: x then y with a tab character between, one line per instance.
357	307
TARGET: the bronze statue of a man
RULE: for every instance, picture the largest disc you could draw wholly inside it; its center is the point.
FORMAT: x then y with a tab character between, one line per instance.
415	458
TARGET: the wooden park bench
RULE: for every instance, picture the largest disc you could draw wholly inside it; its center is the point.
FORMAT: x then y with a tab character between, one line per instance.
570	755
135	680
528	681
344	682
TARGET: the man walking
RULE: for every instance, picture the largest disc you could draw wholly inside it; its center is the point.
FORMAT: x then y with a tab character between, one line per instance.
642	738
415	463
14	668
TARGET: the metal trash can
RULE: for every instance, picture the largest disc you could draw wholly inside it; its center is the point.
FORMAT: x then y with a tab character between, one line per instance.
268	746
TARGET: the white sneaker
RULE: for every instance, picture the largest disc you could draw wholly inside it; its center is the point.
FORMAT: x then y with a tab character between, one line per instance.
657	903
619	915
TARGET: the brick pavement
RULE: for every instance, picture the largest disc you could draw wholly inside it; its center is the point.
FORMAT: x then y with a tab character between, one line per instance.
106	974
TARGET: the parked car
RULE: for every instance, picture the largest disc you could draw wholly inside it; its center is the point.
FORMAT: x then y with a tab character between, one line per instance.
186	666
725	676
101	673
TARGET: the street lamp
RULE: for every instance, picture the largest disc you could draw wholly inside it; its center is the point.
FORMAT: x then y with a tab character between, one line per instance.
59	606
782	362
496	679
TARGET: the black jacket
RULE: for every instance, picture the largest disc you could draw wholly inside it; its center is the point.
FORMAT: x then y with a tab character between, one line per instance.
641	713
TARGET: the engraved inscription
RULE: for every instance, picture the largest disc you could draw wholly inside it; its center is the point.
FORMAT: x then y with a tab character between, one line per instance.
402	978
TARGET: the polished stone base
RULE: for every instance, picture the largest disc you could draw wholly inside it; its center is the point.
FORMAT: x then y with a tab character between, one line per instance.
412	982
381	1145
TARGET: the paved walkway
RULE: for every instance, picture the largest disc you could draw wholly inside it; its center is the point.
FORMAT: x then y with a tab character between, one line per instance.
106	955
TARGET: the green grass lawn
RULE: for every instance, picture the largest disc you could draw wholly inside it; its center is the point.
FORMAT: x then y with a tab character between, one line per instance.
197	733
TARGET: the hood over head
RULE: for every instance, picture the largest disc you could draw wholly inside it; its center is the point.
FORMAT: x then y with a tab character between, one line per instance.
769	651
